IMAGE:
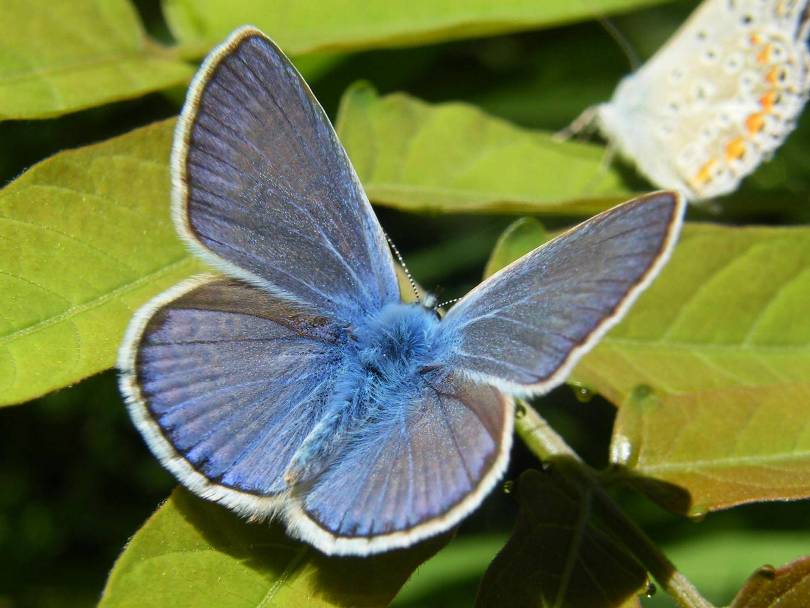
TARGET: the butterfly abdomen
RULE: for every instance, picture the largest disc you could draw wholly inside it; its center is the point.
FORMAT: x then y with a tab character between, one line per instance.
390	349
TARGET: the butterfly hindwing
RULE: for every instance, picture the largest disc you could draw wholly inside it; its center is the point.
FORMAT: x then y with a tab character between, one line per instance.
225	381
525	327
412	474
264	190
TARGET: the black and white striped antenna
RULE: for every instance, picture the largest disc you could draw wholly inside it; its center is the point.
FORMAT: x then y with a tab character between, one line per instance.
404	267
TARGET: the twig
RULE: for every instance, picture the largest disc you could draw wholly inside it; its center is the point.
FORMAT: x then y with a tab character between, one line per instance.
547	445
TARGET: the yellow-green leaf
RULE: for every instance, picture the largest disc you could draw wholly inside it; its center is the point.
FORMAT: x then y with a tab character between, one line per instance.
728	310
58	57
194	553
706	450
517	240
712	369
768	587
560	554
85	238
454	158
340	24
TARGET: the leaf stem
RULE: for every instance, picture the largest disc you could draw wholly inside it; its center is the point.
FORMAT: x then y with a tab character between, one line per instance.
545	443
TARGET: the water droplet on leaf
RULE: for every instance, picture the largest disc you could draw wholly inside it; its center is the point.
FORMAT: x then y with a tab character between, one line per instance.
622	451
698	514
767	571
583	394
650	590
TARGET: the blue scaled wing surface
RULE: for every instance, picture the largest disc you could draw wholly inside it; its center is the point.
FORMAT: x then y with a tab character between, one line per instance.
264	191
412	474
225	381
525	327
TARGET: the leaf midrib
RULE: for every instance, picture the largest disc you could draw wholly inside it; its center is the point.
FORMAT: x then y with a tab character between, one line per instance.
94	302
733	348
119	57
727	462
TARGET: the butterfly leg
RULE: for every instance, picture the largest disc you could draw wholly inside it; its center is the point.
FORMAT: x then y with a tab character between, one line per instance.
584	121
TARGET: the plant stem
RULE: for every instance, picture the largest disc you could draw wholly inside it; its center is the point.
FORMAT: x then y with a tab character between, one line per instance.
547	445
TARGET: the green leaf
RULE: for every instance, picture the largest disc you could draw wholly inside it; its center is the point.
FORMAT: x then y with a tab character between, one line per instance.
717	448
451	571
58	57
787	587
711	368
301	27
718	557
193	552
559	553
728	311
85	238
454	158
517	240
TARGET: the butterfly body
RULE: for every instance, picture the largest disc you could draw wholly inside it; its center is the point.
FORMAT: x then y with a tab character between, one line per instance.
390	357
717	99
296	384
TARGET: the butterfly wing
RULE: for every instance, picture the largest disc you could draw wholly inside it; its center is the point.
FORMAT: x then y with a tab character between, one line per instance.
525	327
717	99
224	381
264	190
411	475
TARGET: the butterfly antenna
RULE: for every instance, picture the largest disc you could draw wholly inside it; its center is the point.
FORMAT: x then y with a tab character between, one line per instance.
622	41
404	267
443	304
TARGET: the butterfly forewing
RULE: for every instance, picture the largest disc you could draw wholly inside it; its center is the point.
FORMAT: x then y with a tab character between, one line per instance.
264	190
525	327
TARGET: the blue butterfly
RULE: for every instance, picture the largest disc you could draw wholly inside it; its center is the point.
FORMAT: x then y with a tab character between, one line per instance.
298	384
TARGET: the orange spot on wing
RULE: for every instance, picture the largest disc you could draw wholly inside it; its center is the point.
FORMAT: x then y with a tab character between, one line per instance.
704	175
756	39
764	55
755	122
735	149
768	100
772	77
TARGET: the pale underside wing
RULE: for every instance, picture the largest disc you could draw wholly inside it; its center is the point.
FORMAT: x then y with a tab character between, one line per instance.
717	100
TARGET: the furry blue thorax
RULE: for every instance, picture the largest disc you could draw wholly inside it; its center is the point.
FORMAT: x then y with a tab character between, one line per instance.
385	356
397	342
